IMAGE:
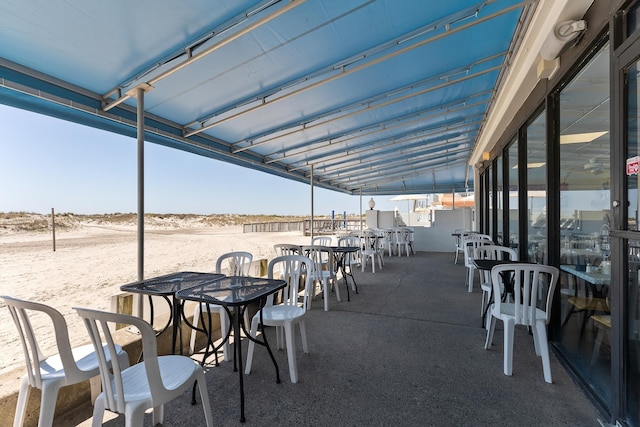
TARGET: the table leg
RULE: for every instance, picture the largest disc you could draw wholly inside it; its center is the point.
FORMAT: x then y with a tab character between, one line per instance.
237	348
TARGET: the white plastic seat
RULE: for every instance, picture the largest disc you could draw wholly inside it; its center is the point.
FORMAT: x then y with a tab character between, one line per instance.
284	316
69	366
233	264
323	271
470	245
149	384
370	250
388	241
533	287
322	241
493	252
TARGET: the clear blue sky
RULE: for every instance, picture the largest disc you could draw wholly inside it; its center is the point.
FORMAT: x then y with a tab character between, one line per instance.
49	163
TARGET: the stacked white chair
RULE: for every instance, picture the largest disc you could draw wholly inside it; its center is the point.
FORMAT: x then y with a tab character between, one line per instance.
49	373
149	384
532	283
284	316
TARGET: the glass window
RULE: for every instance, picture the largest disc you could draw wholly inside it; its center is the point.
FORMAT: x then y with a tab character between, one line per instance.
490	203
499	202
514	225
537	190
585	220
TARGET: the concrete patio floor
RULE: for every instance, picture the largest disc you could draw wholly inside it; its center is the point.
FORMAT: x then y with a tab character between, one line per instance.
406	350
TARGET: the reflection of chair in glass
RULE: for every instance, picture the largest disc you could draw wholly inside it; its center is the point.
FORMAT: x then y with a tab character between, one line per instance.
69	366
286	249
322	240
323	271
602	323
291	311
471	244
532	284
231	264
149	384
492	252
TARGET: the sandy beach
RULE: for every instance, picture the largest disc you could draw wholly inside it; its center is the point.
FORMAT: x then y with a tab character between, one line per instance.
92	259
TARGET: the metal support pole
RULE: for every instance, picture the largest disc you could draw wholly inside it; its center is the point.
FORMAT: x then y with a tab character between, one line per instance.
140	132
311	180
360	209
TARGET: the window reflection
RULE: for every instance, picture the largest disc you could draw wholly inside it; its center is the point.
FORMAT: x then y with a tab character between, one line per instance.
585	221
537	190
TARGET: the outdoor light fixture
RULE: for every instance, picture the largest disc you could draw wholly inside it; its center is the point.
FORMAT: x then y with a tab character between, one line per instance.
486	155
372	204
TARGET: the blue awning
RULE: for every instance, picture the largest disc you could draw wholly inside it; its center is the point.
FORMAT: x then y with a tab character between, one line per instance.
379	97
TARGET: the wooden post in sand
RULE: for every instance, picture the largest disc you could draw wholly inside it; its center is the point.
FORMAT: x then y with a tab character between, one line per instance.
53	229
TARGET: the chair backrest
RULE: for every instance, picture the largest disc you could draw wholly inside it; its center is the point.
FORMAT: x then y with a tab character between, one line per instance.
21	311
533	289
294	269
352	241
322	260
369	242
286	249
322	240
496	252
471	245
99	325
235	263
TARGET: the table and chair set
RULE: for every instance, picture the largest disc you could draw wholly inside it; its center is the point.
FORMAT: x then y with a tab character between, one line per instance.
513	291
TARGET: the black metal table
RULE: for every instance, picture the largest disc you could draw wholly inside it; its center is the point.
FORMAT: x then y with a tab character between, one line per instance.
340	253
235	292
166	287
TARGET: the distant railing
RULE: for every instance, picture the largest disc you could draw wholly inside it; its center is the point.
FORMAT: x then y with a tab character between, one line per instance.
320	226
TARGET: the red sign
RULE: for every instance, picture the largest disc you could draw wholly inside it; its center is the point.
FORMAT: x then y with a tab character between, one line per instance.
632	165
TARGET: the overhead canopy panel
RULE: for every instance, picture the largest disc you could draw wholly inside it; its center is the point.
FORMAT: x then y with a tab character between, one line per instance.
378	97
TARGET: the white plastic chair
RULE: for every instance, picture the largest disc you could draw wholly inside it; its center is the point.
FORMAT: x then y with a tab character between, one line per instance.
531	283
286	249
402	240
388	241
493	252
323	271
322	241
460	235
470	245
232	264
286	315
354	257
370	250
69	366
149	384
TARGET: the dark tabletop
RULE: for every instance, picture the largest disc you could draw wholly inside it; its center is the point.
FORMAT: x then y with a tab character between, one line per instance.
488	264
170	283
232	291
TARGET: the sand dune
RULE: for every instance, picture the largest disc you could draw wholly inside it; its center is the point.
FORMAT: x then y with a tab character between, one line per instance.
93	258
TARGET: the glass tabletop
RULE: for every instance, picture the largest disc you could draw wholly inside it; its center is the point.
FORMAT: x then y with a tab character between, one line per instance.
170	283
232	290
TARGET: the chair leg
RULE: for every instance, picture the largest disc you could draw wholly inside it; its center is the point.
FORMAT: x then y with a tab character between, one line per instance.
194	333
204	396
21	407
336	287
224	328
291	351
325	286
491	327
509	330
253	332
98	411
303	337
158	414
543	347
48	403
470	276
